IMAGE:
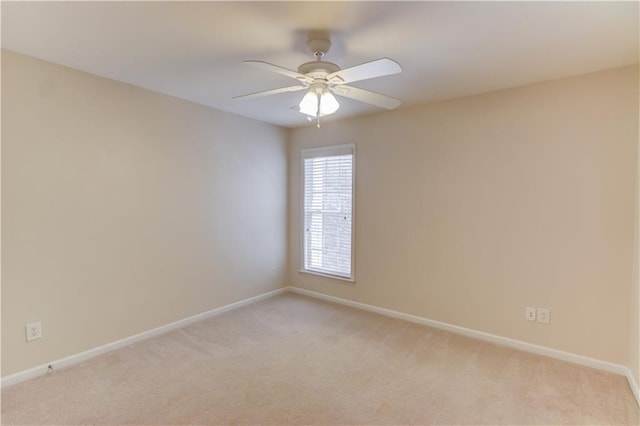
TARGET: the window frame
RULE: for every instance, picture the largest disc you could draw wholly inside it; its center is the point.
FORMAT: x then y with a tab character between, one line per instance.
327	151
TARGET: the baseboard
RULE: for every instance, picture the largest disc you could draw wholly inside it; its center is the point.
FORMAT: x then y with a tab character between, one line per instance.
487	337
91	353
633	384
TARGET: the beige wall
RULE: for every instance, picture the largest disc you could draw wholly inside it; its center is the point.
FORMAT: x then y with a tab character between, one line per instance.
124	210
470	210
634	335
634	324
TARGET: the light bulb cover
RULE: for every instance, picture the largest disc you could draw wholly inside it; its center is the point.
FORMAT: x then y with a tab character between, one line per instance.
328	103
309	104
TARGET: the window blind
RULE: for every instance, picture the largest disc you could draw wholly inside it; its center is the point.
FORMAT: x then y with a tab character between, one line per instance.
328	199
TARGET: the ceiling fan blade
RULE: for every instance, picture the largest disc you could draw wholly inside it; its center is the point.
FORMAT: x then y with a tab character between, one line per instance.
366	96
280	70
378	68
271	92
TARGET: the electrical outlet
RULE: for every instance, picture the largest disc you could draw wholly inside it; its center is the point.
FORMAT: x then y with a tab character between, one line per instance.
34	331
272	271
530	314
543	315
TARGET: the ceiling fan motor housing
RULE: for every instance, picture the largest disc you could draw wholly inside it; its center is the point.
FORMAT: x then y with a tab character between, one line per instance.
318	69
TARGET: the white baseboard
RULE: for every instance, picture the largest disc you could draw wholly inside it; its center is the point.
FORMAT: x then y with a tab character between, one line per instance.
487	337
91	353
633	384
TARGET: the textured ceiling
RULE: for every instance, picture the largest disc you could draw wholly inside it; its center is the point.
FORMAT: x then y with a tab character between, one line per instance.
194	50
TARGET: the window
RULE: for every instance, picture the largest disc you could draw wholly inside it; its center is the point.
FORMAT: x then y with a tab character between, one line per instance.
328	211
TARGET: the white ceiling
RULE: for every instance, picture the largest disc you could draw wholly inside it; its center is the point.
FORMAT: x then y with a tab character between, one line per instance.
194	50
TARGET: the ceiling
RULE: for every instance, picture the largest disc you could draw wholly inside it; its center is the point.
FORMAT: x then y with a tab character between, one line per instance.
194	50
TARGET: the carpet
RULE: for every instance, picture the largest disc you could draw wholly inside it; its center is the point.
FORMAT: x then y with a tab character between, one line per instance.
291	359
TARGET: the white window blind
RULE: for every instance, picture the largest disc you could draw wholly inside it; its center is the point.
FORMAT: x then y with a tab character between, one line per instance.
328	208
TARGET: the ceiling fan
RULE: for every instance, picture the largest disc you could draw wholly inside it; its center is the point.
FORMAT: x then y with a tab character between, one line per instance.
323	79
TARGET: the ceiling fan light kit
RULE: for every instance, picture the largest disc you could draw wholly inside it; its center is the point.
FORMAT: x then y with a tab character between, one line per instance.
323	79
318	102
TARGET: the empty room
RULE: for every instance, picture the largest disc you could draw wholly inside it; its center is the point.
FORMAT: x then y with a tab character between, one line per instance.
328	213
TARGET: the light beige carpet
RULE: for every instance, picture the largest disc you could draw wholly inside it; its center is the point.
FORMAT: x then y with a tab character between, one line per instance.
295	360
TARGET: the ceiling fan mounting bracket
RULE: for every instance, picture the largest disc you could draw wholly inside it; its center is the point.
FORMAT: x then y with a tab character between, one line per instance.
319	46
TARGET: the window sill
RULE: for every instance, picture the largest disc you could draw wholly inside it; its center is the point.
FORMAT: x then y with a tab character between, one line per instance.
320	274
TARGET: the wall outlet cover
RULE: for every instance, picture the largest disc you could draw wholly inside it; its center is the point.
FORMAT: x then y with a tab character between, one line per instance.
33	331
530	314
544	315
